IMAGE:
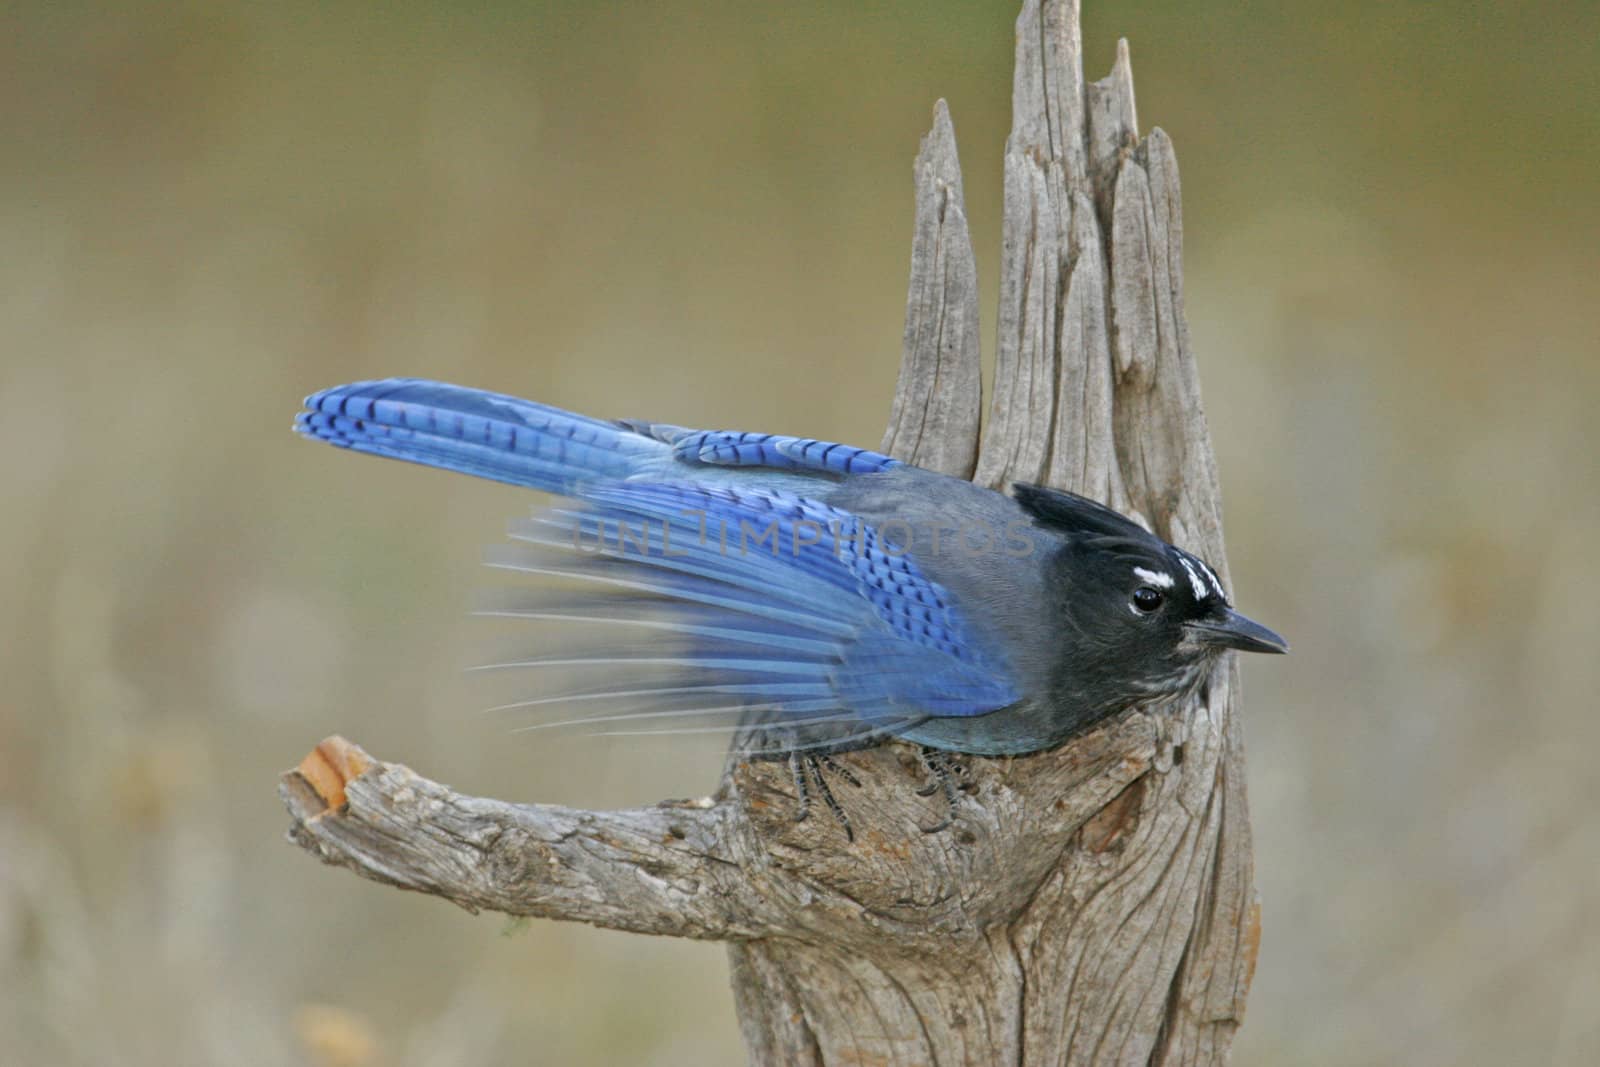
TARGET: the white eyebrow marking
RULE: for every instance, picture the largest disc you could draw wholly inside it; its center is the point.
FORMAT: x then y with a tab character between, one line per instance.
1160	578
1199	587
1216	583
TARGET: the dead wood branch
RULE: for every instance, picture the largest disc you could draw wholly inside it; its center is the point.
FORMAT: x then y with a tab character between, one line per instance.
1092	904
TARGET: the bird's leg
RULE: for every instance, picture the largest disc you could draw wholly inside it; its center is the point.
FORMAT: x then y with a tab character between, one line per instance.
802	787
944	772
806	769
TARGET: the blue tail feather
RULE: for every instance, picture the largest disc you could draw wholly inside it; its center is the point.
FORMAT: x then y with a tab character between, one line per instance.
488	435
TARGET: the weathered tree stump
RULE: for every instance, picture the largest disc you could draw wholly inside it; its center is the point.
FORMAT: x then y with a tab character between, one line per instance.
1091	904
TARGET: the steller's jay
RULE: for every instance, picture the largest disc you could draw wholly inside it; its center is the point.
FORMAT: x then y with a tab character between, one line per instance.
817	597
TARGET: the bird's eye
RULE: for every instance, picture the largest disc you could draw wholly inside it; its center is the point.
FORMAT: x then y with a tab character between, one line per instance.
1147	599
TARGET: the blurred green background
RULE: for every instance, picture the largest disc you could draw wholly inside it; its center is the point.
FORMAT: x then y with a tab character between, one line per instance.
700	212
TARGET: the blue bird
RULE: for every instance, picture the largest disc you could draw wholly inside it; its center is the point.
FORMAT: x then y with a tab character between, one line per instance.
819	597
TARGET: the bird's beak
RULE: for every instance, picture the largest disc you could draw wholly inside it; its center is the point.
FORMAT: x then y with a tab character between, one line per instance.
1226	628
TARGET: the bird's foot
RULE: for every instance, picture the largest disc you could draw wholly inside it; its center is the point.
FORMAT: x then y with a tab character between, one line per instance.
948	775
808	770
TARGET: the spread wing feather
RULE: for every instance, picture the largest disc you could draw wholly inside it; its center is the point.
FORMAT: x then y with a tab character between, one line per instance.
758	600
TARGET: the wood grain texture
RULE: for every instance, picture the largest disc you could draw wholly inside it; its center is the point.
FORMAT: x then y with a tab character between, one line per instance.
1092	904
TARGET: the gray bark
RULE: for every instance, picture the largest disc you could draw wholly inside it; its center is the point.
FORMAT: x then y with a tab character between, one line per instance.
1092	904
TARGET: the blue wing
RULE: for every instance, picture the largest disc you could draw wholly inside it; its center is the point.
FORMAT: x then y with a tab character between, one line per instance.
757	597
784	608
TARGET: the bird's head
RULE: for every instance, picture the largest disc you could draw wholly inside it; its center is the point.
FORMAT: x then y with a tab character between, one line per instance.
1145	619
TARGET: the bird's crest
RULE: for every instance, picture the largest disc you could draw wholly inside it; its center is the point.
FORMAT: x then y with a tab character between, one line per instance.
1074	514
